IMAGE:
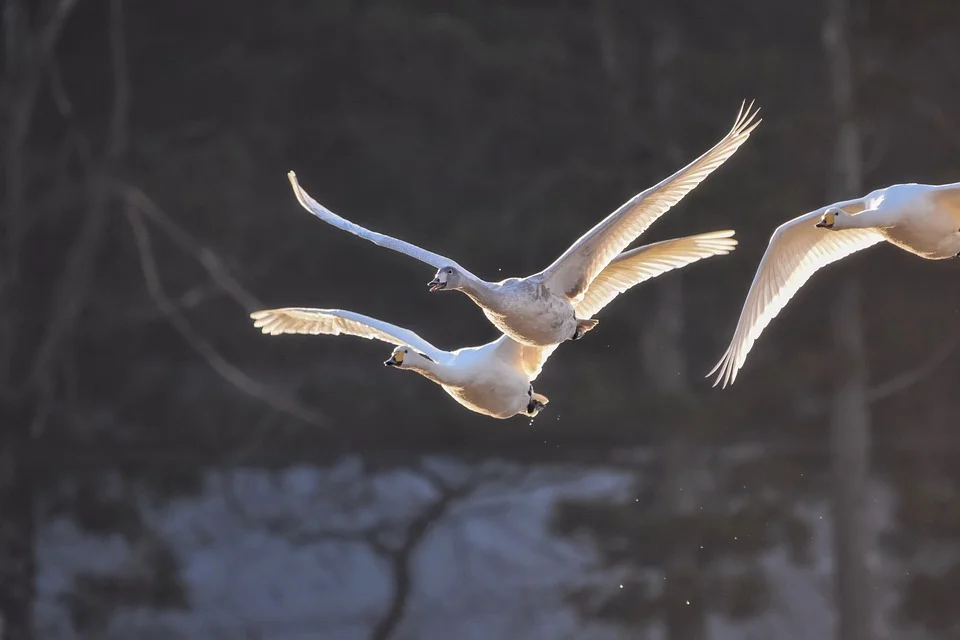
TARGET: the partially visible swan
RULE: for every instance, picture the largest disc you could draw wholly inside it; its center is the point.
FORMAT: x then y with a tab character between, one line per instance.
539	310
496	379
919	218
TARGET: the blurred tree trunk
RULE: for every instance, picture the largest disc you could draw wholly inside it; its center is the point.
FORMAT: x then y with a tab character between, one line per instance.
17	518
21	82
682	606
850	420
664	361
29	368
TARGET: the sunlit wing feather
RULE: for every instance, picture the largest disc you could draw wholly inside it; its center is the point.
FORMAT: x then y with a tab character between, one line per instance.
632	267
335	322
385	241
796	251
573	271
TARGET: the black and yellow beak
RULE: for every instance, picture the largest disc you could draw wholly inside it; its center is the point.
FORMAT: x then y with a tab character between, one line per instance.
827	221
395	360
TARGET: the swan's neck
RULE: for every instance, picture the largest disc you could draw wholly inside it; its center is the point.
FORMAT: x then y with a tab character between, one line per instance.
480	292
430	370
878	218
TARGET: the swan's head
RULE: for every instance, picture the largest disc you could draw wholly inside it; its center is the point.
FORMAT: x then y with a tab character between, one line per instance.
537	403
830	217
405	358
446	278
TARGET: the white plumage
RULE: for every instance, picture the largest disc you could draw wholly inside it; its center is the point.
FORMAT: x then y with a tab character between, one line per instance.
496	379
541	309
922	219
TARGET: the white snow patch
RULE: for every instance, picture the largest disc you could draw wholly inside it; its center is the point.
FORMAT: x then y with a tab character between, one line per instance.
256	565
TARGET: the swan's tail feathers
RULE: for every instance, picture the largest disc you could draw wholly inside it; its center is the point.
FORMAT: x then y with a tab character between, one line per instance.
542	399
583	326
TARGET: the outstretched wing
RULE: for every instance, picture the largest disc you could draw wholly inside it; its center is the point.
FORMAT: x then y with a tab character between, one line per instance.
797	249
632	267
379	239
336	321
573	272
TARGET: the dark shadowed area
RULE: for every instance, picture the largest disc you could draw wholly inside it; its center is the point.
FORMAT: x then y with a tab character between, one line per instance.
167	471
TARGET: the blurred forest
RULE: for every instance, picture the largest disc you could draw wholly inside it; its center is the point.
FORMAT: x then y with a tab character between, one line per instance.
146	212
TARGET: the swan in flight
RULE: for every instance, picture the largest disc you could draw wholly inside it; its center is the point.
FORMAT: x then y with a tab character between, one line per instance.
540	310
496	379
920	218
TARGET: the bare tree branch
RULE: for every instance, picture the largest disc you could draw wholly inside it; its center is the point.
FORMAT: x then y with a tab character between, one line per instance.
897	384
205	256
903	381
139	203
27	59
224	368
70	294
113	319
394	539
400	557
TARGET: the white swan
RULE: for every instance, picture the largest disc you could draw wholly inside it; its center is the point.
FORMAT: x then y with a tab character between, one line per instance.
539	310
496	379
919	218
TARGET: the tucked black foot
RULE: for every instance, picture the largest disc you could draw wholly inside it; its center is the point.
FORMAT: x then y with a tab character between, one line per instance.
536	404
582	327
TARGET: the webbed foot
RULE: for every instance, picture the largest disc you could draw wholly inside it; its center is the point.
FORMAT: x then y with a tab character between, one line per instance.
583	326
537	402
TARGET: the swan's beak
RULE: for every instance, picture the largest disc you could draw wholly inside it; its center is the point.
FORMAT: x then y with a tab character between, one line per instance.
390	362
436	285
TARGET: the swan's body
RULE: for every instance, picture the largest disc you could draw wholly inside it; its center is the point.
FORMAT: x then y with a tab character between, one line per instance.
496	379
529	311
919	218
541	309
493	379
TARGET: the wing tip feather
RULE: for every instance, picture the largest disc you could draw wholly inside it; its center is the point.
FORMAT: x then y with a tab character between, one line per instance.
725	370
746	120
292	177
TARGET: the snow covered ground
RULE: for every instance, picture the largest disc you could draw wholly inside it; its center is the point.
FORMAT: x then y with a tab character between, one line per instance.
282	556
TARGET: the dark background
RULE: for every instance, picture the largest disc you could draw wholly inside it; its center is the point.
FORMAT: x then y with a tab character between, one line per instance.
146	212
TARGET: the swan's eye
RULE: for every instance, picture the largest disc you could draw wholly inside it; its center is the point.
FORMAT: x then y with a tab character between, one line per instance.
449	270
